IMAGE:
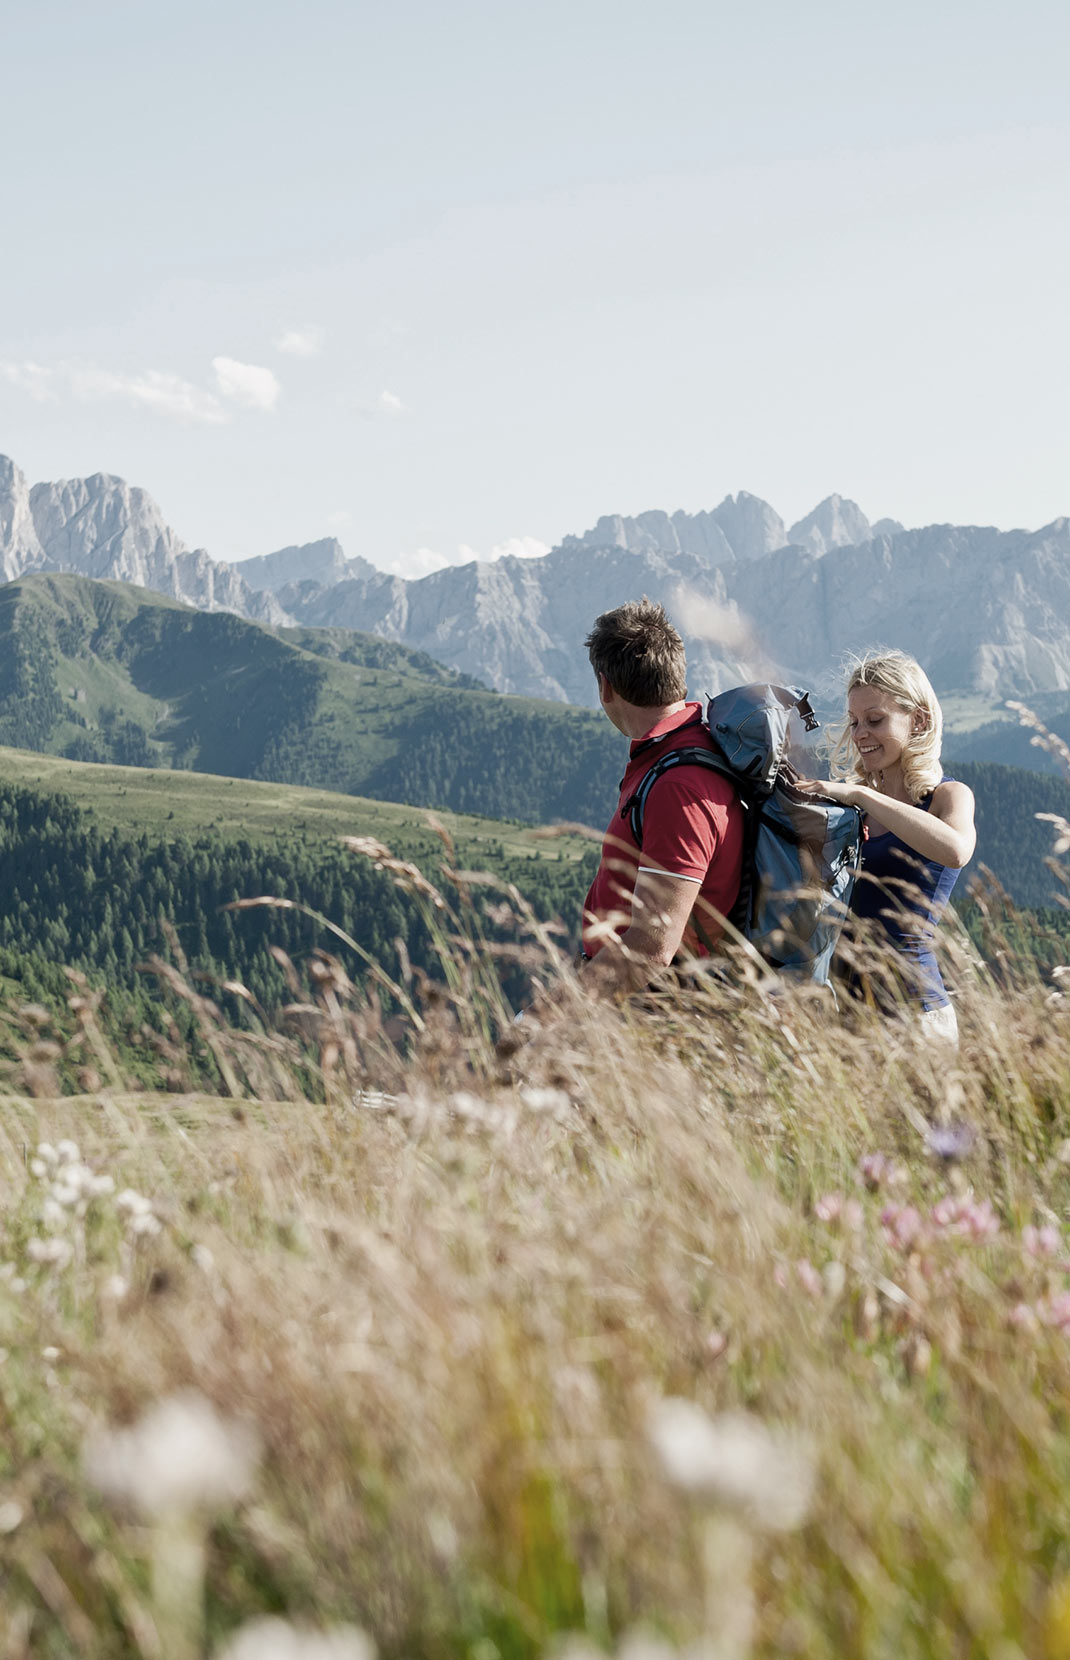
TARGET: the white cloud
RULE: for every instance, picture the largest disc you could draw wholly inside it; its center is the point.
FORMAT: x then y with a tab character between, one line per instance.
153	389
388	403
519	547
164	394
33	378
302	342
721	625
247	384
425	561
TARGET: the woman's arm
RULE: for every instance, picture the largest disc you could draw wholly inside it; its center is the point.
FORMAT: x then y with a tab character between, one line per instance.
945	833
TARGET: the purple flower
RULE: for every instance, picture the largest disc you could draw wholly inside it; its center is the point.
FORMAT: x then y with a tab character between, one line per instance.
951	1142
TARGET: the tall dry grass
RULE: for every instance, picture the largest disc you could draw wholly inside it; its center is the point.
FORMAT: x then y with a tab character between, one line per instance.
443	1269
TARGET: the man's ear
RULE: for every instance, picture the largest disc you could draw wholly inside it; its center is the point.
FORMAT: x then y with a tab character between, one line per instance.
605	690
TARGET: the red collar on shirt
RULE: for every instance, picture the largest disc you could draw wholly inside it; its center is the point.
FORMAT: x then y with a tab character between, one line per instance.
690	714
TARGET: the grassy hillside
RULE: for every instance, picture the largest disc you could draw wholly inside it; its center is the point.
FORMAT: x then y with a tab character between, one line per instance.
166	804
101	867
101	671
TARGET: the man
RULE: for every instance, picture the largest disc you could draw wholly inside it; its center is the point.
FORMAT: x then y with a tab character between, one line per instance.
646	904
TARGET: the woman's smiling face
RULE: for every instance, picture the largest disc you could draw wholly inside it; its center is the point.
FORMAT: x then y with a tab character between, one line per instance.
880	729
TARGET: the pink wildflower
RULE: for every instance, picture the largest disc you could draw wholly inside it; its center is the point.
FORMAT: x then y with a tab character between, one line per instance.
903	1225
1023	1317
971	1218
833	1207
809	1278
878	1170
1056	1311
1041	1242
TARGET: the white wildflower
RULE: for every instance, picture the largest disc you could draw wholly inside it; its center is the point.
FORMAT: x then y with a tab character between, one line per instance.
11	1514
54	1215
554	1102
182	1456
144	1224
576	1647
275	1639
116	1287
39	1168
98	1187
134	1204
54	1251
639	1644
203	1258
734	1462
47	1153
443	1535
72	1179
50	1353
834	1276
67	1152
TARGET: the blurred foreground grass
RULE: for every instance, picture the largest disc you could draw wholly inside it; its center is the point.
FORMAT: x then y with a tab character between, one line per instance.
442	1281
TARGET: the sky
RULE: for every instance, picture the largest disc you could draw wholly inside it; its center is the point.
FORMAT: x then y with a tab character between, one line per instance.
451	280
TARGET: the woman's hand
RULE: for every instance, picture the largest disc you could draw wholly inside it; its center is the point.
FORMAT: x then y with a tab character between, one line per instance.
830	789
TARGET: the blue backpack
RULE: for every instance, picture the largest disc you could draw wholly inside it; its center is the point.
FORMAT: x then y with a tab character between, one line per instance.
800	854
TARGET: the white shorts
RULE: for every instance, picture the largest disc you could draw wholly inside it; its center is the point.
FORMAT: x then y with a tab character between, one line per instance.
940	1025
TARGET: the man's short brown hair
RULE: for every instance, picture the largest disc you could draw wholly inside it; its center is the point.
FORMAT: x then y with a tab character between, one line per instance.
640	653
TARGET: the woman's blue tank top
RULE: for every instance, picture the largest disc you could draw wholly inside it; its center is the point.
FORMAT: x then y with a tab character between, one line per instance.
906	894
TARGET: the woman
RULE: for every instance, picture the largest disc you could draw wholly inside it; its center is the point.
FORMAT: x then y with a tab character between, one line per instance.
919	825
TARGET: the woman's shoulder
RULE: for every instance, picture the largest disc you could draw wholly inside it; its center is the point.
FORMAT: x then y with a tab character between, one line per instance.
950	794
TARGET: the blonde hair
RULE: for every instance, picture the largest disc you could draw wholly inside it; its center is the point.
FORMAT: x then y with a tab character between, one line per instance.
903	679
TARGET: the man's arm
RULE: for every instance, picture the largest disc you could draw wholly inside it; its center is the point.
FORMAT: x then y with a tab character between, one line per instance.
661	906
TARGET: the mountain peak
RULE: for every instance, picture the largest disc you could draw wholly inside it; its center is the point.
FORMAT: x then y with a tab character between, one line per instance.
323	562
20	547
751	527
834	523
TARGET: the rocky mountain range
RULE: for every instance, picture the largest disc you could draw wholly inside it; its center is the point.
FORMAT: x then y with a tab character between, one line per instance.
986	610
105	528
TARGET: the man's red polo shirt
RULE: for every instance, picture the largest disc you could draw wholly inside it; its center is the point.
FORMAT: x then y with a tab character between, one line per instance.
692	829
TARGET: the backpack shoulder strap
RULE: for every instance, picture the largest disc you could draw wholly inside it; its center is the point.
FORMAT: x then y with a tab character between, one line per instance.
634	808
